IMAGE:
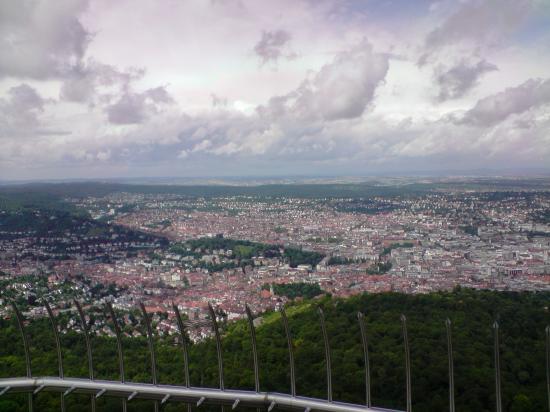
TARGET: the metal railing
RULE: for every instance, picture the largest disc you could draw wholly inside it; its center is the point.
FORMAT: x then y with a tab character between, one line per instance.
161	394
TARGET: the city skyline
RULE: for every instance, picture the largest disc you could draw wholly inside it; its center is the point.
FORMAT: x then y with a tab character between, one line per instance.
95	89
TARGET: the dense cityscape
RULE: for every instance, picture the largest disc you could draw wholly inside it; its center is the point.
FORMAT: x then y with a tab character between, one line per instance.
159	249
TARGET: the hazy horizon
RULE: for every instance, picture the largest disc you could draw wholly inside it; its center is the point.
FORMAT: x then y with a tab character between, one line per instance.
294	179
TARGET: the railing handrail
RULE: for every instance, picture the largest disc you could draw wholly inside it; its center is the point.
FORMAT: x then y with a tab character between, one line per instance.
129	390
190	395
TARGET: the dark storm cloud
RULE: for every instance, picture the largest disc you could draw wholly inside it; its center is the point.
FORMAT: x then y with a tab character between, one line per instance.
83	83
20	111
41	39
514	100
456	81
479	21
25	98
272	46
132	108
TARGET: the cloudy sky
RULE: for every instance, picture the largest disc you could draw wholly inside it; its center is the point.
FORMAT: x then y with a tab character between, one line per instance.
102	88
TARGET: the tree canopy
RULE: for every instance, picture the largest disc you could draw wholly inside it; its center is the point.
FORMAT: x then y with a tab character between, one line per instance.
522	317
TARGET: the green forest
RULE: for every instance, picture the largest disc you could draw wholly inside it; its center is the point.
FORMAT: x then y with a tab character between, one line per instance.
522	317
244	250
294	290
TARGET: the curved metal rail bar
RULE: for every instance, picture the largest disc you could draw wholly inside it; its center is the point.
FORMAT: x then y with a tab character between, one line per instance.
182	394
218	344
87	339
290	353
183	334
55	330
448	327
58	348
327	353
364	341
250	318
21	326
86	331
407	362
151	345
498	393
119	350
548	364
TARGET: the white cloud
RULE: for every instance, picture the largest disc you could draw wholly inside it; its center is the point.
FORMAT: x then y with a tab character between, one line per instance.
514	100
80	103
104	155
341	89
